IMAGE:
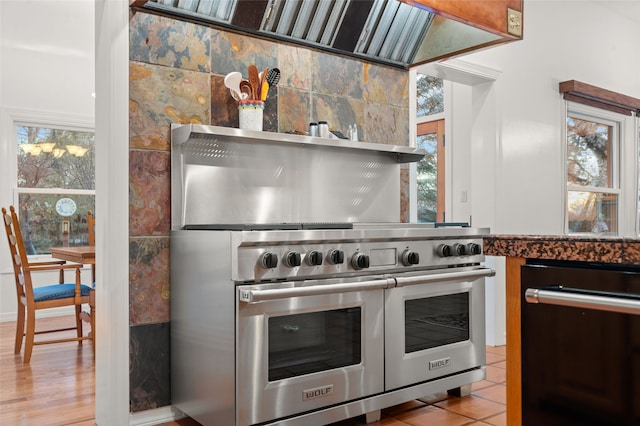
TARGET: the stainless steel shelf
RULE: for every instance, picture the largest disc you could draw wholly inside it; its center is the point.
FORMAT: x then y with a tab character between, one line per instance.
181	133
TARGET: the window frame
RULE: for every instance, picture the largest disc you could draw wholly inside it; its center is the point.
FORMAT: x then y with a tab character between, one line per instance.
445	116
436	127
10	118
624	166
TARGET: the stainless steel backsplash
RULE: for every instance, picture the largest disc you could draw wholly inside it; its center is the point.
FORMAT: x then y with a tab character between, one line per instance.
222	175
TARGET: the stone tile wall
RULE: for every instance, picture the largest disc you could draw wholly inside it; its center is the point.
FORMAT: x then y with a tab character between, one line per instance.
177	74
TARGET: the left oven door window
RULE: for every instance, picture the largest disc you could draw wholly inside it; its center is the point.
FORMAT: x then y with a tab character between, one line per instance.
312	342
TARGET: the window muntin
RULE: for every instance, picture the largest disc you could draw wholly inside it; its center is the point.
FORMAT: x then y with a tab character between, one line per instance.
54	164
593	183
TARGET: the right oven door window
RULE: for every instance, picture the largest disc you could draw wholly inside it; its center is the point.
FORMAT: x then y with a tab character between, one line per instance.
436	321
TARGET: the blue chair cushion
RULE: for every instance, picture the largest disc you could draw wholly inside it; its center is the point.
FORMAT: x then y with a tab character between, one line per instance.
58	291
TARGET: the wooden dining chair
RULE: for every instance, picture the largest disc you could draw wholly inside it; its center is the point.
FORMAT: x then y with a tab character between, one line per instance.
91	230
32	299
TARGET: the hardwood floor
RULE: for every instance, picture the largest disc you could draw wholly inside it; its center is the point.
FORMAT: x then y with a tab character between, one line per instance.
58	389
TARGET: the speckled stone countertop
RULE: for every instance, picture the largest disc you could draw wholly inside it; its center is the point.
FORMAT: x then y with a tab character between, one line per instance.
560	247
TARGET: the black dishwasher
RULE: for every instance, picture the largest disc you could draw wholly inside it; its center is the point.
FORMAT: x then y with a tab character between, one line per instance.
580	344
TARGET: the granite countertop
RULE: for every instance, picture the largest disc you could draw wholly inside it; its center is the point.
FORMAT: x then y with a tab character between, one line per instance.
560	247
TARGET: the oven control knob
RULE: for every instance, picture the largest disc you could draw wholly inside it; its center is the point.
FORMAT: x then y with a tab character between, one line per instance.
360	261
292	259
473	248
444	250
335	257
459	249
268	260
314	258
410	258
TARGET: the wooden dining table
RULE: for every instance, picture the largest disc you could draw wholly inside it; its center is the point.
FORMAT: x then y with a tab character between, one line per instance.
78	254
85	255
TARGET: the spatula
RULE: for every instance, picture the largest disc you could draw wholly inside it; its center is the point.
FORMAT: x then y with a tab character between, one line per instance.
273	77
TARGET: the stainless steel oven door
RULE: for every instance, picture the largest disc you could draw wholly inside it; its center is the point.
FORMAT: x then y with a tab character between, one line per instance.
305	345
435	325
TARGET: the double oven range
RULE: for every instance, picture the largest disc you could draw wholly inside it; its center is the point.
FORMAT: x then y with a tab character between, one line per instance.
278	321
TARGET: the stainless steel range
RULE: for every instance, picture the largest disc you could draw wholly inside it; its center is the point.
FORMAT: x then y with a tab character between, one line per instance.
291	311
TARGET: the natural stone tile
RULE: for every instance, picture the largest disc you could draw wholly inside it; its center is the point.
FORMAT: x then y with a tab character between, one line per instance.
224	109
405	196
295	67
235	52
339	112
159	40
149	278
271	113
386	85
336	74
293	110
386	124
149	367
159	96
149	193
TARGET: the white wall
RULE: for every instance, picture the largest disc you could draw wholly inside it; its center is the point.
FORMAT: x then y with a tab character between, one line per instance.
504	138
47	68
517	181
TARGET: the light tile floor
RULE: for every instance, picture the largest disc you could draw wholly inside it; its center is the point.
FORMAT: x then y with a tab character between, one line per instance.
487	404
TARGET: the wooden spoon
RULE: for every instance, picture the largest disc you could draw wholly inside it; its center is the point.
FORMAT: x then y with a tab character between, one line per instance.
254	81
245	89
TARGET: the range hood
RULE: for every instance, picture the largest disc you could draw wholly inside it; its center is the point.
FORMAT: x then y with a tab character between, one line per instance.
383	31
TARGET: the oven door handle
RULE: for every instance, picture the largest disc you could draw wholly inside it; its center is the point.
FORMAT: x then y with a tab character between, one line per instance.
255	295
578	298
447	276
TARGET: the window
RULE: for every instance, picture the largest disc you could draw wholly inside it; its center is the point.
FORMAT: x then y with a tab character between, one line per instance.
601	160
55	184
595	144
430	97
592	180
430	137
430	172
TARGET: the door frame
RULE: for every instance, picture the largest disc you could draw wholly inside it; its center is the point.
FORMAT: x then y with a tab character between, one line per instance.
437	127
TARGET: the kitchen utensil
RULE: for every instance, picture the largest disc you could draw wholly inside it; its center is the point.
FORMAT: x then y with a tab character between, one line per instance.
263	78
264	90
254	81
273	77
245	89
232	81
